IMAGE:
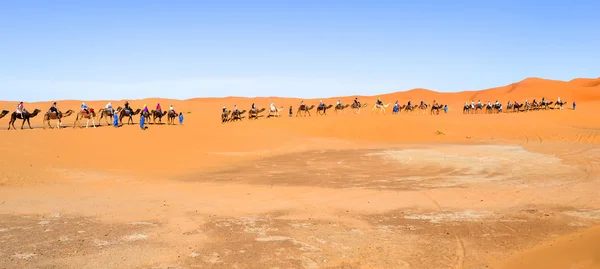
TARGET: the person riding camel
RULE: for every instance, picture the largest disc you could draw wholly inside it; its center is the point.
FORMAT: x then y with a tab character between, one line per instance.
145	109
472	103
273	107
489	104
558	100
53	109
127	108
338	104
235	108
158	108
224	109
253	107
534	102
422	103
479	103
379	102
84	108
498	103
321	105
356	102
515	103
172	109
20	109
302	104
543	100
109	108
435	104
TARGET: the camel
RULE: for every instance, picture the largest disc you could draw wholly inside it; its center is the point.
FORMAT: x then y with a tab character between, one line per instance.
517	107
55	116
545	105
25	116
380	107
423	108
83	115
4	112
157	114
305	109
358	107
171	116
274	110
321	110
340	107
225	116
253	113
467	109
107	113
560	104
127	113
237	115
436	109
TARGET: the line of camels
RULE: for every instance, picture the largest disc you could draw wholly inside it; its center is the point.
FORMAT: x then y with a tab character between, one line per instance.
107	114
304	110
511	107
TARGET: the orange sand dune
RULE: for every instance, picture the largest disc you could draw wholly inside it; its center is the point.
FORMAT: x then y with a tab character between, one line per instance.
510	190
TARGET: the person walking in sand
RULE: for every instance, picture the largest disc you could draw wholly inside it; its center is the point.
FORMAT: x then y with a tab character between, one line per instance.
180	118
142	121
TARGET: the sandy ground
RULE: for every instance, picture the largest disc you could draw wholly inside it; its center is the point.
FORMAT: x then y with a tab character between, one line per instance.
511	190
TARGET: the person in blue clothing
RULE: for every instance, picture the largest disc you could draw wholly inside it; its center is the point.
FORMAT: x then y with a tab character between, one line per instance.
446	109
142	121
116	120
180	118
574	105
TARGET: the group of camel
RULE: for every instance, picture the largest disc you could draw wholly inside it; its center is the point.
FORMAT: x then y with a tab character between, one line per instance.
512	107
304	110
89	115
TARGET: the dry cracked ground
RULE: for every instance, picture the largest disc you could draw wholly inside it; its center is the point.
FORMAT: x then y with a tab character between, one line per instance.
406	206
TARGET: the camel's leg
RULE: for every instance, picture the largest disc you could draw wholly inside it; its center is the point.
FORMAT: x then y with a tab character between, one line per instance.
94	122
22	124
87	123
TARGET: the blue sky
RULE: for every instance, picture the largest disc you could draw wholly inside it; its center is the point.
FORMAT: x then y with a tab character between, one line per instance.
183	49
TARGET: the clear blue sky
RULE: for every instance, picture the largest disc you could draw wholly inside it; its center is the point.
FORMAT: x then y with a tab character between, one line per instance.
182	49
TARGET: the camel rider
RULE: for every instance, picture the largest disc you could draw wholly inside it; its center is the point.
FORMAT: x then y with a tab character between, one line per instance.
321	105
145	109
558	101
498	103
356	102
543	100
273	107
20	109
53	109
109	108
338	103
409	105
534	102
435	103
396	106
473	103
379	102
172	109
158	108
127	108
479	103
84	108
224	109
235	109
422	102
253	107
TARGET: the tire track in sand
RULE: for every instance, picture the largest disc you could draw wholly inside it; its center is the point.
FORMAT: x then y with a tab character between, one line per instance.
460	246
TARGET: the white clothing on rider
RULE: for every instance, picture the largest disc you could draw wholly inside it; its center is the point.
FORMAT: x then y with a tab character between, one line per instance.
338	102
558	100
171	108
273	107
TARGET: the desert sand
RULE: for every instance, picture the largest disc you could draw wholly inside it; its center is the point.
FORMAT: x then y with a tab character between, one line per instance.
510	190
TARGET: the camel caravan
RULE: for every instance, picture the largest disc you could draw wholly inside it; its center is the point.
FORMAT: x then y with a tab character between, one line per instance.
515	107
110	115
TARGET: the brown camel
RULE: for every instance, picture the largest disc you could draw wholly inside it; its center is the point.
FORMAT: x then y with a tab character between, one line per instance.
321	110
171	116
157	114
85	115
25	116
4	112
55	116
340	107
237	115
560	104
358	107
253	113
128	113
422	108
305	109
225	116
435	109
107	113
